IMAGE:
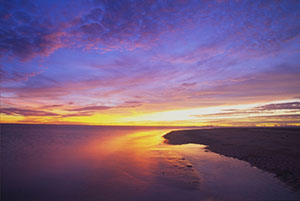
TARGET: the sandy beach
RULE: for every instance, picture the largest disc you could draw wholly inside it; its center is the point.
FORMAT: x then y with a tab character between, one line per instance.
276	150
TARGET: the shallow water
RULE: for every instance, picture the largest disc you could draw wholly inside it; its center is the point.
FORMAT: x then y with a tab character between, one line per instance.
62	163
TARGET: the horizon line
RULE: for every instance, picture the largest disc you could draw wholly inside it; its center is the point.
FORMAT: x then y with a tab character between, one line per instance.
49	124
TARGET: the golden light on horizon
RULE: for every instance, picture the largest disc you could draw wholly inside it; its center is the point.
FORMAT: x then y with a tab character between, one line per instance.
227	115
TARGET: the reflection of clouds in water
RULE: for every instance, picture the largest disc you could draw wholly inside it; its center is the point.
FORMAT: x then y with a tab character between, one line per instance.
114	163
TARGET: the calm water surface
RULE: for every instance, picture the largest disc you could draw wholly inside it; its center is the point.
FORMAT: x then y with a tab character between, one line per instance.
86	163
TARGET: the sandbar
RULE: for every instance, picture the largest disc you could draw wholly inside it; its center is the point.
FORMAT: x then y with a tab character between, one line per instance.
275	150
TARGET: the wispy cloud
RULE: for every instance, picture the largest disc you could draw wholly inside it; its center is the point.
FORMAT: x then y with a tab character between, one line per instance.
26	112
276	113
281	106
91	108
108	25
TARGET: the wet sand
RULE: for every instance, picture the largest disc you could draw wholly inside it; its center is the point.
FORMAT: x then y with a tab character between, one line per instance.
276	150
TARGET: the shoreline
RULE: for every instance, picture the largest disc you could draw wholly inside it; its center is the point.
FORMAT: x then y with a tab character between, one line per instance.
275	150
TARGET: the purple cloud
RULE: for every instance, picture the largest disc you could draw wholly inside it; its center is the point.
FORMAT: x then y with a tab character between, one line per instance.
26	112
15	76
91	108
26	32
281	106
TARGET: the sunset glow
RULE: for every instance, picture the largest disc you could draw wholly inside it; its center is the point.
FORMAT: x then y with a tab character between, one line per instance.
177	63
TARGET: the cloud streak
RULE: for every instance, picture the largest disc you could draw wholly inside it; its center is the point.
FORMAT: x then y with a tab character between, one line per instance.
26	112
281	113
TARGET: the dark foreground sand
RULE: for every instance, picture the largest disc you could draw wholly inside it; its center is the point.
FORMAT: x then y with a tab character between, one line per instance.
276	150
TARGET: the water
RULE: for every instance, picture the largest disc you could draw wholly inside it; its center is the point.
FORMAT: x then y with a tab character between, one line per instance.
86	163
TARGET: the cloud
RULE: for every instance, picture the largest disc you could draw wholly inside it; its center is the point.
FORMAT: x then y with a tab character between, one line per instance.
26	112
29	40
74	111
265	85
15	76
280	112
131	23
91	108
25	33
281	106
186	84
132	103
51	106
78	114
40	29
95	108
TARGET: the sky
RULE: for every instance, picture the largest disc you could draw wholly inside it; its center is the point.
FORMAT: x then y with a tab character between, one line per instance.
179	63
